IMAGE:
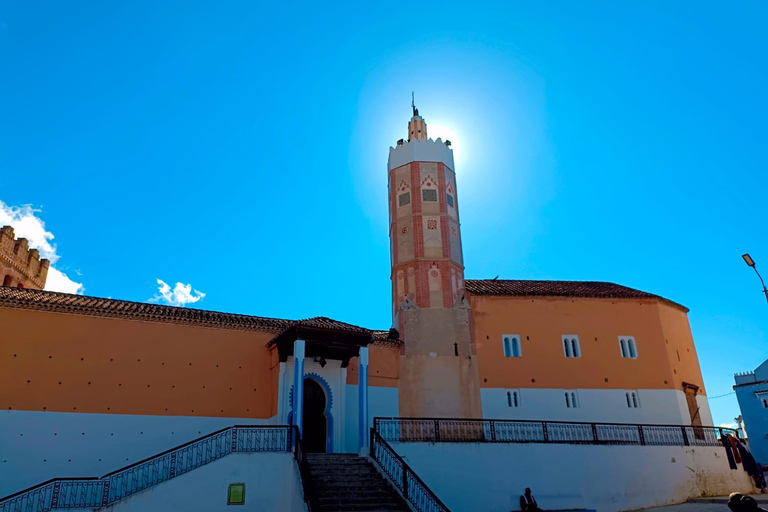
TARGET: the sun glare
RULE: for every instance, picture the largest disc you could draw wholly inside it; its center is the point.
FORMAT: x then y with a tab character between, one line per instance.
438	130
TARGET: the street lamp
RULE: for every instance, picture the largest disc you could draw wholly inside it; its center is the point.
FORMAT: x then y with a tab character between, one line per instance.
749	261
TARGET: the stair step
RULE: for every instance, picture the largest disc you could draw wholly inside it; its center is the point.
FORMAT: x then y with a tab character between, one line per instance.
347	483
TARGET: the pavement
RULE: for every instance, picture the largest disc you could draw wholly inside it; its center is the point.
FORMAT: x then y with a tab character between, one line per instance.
713	504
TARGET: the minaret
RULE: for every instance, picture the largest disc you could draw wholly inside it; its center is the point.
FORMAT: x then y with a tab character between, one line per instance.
439	360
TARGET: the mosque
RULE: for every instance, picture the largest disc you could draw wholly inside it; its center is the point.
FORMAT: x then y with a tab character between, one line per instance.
89	385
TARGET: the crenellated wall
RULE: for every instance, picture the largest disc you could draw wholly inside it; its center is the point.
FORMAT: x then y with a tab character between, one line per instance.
20	266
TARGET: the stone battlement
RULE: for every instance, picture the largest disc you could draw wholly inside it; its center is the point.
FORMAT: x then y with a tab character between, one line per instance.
20	266
416	150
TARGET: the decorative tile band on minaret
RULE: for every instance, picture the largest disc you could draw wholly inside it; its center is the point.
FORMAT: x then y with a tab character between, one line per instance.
428	304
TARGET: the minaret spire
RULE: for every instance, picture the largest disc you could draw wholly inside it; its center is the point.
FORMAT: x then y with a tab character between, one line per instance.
417	128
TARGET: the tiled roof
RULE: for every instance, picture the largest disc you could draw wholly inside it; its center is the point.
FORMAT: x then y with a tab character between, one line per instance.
588	289
56	302
385	339
93	306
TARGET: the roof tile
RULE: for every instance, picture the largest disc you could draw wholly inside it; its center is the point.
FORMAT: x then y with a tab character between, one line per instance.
587	289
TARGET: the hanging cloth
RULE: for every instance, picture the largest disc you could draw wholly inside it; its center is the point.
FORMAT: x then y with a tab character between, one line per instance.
735	446
747	460
728	452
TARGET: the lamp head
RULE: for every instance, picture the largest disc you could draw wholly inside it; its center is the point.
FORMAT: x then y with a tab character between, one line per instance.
748	259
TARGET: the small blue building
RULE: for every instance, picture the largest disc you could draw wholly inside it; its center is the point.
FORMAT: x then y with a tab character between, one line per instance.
752	393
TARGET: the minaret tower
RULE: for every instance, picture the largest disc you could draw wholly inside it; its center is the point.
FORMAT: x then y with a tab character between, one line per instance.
439	360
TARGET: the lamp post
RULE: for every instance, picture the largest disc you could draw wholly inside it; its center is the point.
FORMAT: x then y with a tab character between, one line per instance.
748	259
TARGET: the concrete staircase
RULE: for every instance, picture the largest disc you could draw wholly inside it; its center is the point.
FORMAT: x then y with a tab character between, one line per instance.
346	482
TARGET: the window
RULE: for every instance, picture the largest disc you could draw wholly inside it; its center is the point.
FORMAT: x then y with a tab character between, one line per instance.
513	398
632	401
512	346
763	397
628	347
571	346
404	199
765	403
429	195
449	200
571	399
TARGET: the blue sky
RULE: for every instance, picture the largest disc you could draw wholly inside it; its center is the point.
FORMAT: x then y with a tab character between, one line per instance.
241	148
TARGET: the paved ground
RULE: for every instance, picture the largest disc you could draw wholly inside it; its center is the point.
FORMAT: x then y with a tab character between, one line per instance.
692	507
718	504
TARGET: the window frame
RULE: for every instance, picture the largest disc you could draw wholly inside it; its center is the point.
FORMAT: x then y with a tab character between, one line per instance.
425	200
400	196
571	345
572	399
628	347
633	398
513	342
514	400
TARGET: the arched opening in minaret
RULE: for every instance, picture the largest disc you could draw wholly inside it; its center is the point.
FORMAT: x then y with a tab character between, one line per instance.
7	280
314	423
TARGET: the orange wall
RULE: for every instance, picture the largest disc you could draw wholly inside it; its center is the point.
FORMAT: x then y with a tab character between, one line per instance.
71	363
541	322
383	367
680	348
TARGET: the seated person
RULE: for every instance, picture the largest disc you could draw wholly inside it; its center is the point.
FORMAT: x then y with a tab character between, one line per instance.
528	502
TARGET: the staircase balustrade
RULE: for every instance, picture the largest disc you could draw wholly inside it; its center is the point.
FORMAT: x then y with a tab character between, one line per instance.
93	492
442	430
412	488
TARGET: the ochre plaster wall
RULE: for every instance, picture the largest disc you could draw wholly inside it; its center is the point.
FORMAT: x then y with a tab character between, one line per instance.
73	363
680	348
383	367
541	323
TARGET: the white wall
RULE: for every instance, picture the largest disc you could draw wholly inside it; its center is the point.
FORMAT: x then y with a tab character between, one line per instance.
36	446
657	406
271	480
604	478
381	402
420	150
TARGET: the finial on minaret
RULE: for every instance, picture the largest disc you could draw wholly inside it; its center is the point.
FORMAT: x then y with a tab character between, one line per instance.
417	128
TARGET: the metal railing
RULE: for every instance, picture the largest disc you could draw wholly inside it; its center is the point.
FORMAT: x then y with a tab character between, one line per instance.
412	488
439	430
307	484
92	492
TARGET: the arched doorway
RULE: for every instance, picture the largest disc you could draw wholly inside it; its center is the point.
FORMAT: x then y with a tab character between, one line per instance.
314	426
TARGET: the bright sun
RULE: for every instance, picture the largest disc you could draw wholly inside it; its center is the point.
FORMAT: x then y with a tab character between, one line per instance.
437	130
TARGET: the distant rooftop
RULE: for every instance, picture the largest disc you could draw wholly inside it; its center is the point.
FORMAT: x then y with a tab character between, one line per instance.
586	289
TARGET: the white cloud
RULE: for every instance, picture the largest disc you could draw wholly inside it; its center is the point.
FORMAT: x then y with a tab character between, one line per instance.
180	295
734	426
26	224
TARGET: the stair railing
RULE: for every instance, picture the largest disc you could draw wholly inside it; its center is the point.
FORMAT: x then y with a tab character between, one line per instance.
93	492
307	484
411	487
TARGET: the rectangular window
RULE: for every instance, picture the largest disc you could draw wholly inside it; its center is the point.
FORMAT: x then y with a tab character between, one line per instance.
571	346
512	345
571	398
404	199
763	397
513	398
429	195
633	402
449	200
628	347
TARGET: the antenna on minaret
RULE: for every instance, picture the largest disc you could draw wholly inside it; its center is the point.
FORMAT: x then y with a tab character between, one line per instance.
413	105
